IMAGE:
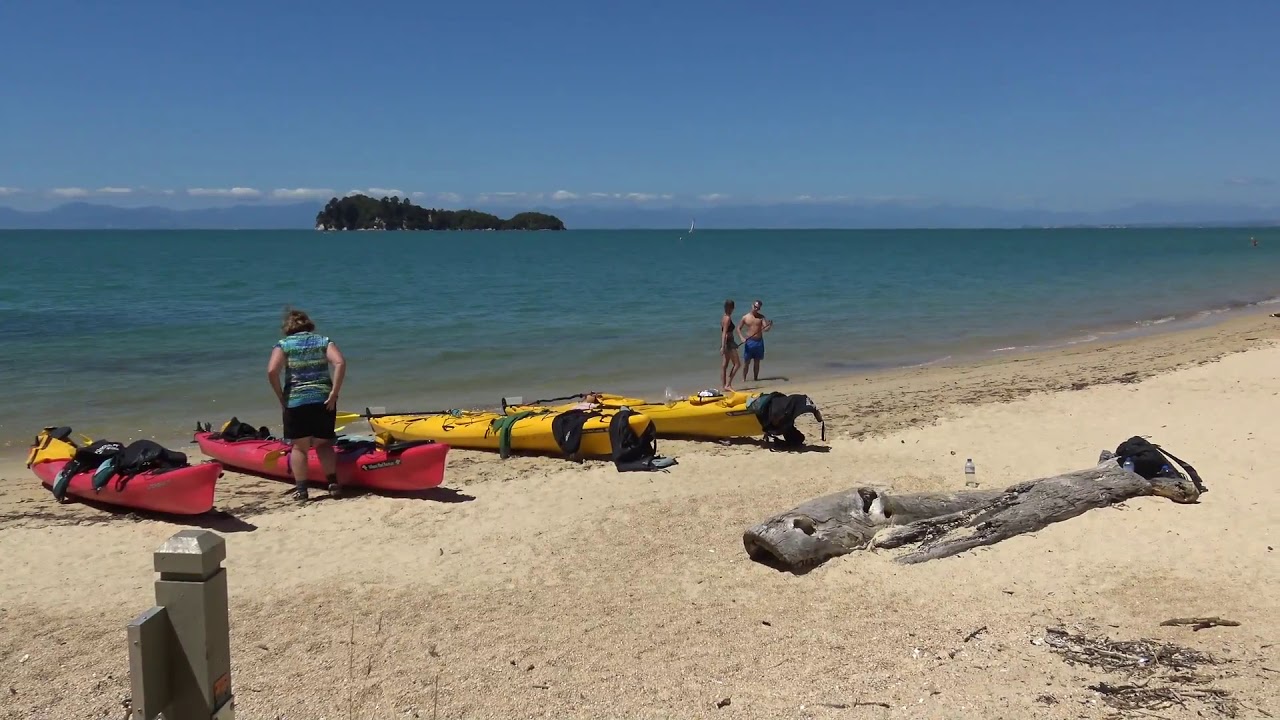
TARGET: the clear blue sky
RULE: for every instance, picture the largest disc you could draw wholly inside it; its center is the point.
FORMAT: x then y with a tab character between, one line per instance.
1067	105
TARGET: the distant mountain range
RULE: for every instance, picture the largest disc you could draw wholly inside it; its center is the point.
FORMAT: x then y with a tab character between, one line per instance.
91	216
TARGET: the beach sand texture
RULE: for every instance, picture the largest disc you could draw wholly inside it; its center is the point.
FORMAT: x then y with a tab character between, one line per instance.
533	587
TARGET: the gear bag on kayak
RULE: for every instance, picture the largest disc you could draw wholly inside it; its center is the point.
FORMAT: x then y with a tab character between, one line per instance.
631	452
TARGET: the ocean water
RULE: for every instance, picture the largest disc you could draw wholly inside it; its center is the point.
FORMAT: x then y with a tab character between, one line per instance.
124	332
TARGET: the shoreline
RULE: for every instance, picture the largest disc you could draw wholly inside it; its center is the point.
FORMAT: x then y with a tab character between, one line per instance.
539	587
12	444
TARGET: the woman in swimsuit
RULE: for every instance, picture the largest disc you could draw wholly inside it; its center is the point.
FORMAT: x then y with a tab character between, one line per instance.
728	347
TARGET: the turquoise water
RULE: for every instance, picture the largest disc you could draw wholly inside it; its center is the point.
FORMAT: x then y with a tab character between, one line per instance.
128	332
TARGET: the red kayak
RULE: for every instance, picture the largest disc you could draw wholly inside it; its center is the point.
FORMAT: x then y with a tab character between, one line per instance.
181	491
401	466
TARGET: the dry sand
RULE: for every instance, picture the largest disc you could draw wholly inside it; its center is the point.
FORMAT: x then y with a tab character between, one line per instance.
537	588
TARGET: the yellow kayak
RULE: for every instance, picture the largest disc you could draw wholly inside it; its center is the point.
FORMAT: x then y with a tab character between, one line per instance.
719	416
479	430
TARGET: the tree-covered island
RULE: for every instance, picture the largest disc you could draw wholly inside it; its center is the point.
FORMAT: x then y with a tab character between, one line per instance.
361	212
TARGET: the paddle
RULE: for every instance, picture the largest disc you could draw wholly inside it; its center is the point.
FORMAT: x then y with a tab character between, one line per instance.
516	400
344	418
368	412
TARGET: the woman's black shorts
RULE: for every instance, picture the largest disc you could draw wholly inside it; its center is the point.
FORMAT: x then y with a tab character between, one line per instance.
312	420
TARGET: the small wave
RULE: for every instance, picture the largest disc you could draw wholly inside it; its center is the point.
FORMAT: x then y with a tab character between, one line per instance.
931	362
1271	301
1161	321
1085	339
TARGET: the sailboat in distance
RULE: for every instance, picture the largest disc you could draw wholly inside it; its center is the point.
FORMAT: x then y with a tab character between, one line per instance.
692	222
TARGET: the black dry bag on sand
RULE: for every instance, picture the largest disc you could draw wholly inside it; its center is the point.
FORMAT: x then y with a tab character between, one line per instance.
633	452
777	413
1152	461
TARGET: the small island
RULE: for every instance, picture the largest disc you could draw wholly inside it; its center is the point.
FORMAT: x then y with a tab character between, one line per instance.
361	212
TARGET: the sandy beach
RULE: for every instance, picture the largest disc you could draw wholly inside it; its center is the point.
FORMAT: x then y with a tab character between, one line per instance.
533	587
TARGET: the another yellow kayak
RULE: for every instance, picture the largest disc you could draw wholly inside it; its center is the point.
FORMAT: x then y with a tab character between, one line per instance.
719	416
476	430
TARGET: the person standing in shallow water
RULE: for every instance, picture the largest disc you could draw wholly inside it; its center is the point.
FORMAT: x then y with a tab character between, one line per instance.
308	397
728	347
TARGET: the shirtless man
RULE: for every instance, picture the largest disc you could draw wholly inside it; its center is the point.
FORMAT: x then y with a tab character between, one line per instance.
728	347
753	327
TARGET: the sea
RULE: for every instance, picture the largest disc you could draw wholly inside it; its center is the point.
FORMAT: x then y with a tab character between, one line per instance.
144	333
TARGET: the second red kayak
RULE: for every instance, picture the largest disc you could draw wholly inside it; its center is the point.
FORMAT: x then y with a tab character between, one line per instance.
398	467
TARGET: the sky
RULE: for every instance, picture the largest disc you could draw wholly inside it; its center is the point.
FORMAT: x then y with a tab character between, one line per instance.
1069	106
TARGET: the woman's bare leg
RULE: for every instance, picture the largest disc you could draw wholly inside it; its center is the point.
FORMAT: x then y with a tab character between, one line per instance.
329	464
298	466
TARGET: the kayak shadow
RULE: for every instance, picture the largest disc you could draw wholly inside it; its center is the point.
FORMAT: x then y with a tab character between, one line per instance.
435	494
215	519
764	444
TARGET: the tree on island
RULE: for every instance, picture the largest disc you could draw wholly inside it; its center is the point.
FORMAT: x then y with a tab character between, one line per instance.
361	212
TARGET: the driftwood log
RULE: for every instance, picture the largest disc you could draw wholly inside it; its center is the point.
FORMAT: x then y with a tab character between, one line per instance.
940	525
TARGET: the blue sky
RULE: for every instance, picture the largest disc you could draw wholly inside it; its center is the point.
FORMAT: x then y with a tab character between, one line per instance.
1072	106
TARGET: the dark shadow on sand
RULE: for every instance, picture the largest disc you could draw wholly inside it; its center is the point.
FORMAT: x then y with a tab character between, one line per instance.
764	444
773	563
435	494
756	384
216	520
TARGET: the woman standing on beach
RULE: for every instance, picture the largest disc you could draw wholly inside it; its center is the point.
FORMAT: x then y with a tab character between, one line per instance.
309	396
728	347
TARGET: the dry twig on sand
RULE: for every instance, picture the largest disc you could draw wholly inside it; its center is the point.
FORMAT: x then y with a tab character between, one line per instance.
1161	674
1201	623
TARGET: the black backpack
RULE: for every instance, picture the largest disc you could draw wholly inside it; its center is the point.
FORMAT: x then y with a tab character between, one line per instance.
90	457
777	413
146	456
235	429
631	452
1152	461
567	428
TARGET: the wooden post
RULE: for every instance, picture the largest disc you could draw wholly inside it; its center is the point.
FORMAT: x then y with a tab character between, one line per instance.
180	650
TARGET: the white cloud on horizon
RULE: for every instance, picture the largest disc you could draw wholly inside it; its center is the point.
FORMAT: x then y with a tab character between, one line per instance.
224	192
302	193
1250	182
498	199
640	197
69	192
376	192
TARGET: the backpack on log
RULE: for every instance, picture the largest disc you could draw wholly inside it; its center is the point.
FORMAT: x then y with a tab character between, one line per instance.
1152	461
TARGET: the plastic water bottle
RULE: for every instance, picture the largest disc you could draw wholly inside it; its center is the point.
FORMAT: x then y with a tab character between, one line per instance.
1128	464
970	473
671	397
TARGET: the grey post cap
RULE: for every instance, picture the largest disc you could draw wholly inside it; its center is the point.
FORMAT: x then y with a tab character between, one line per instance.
191	552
